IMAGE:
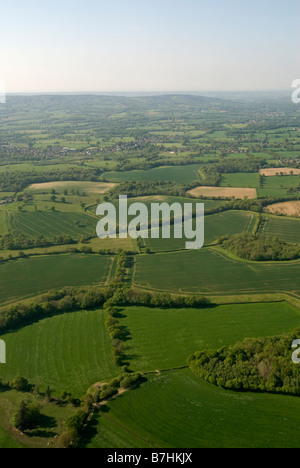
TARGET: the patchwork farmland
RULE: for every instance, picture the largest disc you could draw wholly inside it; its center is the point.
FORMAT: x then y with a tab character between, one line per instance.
102	329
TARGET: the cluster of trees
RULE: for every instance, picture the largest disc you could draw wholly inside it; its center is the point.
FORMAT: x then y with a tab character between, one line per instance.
75	427
210	176
259	247
120	272
17	383
26	417
124	381
259	365
77	424
244	165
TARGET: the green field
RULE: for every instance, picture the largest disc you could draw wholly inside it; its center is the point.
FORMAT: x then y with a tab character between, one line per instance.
176	409
34	224
3	223
240	180
277	186
286	229
217	225
61	155
209	271
67	352
35	275
182	331
7	441
180	174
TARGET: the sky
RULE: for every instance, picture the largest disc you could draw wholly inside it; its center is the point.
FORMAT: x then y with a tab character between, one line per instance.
149	45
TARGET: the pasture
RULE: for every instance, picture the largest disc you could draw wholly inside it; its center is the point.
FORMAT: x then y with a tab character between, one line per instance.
250	180
176	409
67	352
7	441
182	331
278	186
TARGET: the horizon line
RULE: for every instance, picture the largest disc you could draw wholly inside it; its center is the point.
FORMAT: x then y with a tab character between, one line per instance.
267	90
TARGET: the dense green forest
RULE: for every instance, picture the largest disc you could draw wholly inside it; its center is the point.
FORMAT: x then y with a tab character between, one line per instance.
259	365
259	247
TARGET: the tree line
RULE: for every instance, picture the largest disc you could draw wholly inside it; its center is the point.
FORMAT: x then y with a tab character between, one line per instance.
71	299
21	242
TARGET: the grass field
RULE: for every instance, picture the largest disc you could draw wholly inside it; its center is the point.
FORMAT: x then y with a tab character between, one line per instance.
7	441
180	174
287	229
67	352
176	409
217	225
182	331
209	271
277	186
48	224
240	180
35	275
3	223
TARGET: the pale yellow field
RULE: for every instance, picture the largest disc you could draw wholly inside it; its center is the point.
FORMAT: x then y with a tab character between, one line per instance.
291	208
223	192
91	188
278	170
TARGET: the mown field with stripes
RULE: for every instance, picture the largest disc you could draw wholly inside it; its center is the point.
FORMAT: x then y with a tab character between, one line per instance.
49	225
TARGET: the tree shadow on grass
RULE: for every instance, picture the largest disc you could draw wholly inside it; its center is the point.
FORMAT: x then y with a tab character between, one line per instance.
89	432
45	427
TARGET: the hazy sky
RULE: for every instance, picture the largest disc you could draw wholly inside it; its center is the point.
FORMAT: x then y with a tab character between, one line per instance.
149	45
